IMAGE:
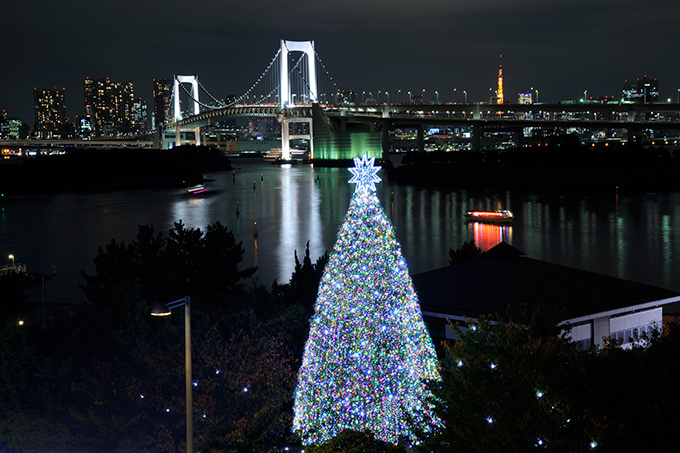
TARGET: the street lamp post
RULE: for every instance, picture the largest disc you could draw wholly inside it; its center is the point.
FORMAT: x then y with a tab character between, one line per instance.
399	95
437	94
465	94
454	96
164	310
388	97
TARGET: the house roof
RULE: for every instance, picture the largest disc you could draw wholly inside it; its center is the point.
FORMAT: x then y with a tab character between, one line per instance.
505	276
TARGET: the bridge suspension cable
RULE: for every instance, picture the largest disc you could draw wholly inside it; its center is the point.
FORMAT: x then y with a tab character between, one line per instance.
330	78
250	90
272	82
303	84
202	104
265	90
303	77
220	103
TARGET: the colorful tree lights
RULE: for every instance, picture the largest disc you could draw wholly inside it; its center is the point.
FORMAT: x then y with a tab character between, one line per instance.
368	356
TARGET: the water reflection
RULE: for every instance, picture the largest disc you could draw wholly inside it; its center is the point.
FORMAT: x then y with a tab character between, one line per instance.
626	235
487	236
288	228
194	210
256	258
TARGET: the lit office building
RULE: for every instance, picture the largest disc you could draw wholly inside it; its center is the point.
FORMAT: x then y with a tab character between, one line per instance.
643	91
140	116
162	107
84	128
50	112
109	106
12	128
524	98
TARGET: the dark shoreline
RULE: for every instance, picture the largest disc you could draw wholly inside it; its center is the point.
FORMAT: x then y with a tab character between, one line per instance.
571	170
86	170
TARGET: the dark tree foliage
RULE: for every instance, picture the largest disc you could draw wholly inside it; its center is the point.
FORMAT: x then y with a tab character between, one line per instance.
14	293
36	371
304	282
634	393
512	387
349	441
296	299
159	269
100	377
467	251
243	391
519	386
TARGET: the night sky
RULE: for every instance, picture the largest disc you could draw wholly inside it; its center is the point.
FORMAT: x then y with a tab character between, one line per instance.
560	48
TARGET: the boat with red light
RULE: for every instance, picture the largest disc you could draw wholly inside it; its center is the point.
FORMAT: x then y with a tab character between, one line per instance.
502	216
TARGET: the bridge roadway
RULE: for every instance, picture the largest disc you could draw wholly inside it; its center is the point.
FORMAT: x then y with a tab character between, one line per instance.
634	118
593	116
207	117
639	116
46	143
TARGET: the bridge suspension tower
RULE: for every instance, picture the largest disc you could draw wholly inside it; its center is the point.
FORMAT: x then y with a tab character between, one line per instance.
177	113
306	47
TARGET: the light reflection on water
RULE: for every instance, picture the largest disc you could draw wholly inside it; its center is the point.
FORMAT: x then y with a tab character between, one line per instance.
487	236
629	236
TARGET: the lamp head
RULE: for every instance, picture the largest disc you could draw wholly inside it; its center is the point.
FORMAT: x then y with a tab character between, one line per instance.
160	310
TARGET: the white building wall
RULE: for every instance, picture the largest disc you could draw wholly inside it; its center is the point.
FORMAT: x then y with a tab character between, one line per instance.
630	327
633	320
581	332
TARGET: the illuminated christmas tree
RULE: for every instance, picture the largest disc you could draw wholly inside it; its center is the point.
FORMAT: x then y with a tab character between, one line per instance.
368	357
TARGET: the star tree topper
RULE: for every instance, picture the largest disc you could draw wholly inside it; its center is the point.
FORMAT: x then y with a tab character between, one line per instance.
364	173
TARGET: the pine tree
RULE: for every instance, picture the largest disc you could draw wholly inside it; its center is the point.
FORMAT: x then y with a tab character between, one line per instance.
368	357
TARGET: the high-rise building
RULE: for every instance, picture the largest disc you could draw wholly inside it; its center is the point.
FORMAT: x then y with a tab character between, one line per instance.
524	98
140	116
642	91
50	112
162	107
83	127
12	128
109	106
499	96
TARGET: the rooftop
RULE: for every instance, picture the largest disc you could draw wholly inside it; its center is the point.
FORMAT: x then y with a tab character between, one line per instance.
505	276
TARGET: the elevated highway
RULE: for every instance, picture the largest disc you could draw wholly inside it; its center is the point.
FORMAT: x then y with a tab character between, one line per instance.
514	118
480	118
145	141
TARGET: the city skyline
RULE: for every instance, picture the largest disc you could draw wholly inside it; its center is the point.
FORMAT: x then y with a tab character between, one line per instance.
560	50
